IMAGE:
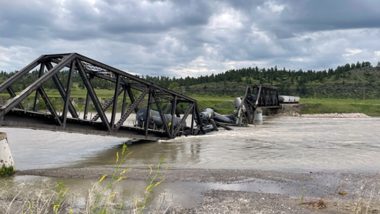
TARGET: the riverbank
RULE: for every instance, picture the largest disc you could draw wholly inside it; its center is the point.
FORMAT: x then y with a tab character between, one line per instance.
369	107
224	104
236	191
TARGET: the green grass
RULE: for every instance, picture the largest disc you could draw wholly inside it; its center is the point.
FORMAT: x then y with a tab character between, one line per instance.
105	196
224	104
370	107
221	104
6	171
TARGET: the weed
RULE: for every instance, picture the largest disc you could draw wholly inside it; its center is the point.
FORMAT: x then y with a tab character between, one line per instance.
102	197
6	171
154	180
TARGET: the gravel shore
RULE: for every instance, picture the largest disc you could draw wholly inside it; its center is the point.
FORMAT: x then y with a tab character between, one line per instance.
255	191
336	115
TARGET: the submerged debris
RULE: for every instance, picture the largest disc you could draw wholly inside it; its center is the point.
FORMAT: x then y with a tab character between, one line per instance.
342	193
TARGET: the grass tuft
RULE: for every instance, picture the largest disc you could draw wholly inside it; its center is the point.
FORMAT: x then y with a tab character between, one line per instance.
6	171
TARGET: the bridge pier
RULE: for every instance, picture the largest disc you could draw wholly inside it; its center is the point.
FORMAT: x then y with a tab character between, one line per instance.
6	159
258	119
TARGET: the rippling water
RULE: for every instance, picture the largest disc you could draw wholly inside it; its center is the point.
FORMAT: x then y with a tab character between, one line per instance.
282	143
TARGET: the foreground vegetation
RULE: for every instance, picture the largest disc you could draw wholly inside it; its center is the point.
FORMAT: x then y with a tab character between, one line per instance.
104	196
6	171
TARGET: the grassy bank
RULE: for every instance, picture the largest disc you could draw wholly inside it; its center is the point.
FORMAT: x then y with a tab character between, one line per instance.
221	104
224	104
370	107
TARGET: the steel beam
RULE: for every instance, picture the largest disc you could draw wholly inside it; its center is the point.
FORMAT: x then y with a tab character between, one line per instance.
62	92
106	105
132	77
115	97
146	125
172	112
40	72
93	96
27	91
130	109
13	94
19	74
68	93
49	105
124	102
162	115
187	112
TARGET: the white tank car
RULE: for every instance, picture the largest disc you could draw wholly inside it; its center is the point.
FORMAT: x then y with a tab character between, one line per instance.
288	99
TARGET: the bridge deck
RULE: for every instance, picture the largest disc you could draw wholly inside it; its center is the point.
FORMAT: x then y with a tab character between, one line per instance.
41	121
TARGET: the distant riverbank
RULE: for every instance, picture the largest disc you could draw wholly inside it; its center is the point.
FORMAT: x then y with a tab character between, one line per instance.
370	107
224	104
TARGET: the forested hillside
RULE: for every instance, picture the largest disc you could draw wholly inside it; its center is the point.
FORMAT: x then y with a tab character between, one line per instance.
359	80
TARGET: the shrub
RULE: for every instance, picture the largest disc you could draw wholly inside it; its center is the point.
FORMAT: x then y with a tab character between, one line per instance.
6	171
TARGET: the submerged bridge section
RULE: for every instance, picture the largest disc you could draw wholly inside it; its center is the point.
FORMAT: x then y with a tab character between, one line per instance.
166	113
258	97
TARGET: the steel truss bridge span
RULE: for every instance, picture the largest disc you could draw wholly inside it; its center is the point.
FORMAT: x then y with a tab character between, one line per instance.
37	106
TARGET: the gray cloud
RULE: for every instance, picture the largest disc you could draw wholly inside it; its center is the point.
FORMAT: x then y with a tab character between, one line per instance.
189	37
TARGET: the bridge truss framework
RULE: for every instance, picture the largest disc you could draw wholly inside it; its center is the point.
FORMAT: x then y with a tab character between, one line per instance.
131	93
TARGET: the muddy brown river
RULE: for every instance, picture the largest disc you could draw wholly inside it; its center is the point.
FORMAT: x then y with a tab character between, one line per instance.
283	143
283	160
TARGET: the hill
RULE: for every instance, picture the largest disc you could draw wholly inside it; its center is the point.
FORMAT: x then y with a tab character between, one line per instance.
359	80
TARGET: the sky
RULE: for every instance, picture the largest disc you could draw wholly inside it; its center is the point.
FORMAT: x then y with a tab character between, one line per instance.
192	37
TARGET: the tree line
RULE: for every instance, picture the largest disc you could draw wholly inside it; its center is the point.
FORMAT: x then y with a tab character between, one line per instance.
330	82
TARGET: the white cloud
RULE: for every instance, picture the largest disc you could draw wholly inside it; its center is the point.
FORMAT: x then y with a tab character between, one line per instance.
191	37
352	52
16	57
226	19
271	6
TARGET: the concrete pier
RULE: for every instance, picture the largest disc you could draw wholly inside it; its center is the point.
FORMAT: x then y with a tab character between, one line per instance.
258	116
6	158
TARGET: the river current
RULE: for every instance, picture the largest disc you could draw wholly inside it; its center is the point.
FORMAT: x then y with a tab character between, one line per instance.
281	144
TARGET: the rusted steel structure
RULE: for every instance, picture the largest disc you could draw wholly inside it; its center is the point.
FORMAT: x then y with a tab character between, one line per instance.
99	115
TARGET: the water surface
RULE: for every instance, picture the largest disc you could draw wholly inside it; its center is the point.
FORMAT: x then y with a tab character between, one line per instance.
282	143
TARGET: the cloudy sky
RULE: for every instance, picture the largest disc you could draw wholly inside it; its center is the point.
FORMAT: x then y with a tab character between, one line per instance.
192	37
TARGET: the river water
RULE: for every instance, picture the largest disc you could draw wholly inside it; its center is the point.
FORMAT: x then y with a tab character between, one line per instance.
281	144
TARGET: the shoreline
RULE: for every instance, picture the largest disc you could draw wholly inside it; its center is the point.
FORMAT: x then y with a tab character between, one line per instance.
335	115
228	190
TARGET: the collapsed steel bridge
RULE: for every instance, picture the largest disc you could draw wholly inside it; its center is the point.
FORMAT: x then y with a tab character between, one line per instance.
163	113
255	97
131	94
